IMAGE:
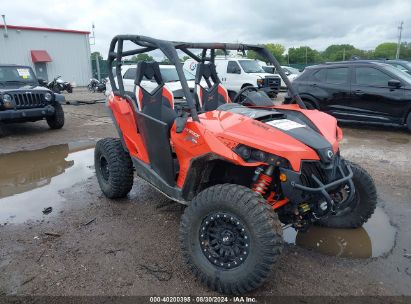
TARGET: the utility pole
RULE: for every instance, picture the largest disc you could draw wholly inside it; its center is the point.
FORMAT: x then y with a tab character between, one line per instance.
397	55
306	55
343	54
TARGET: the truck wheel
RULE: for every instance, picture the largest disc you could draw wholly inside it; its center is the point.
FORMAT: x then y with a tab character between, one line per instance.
409	122
57	120
114	168
230	238
362	205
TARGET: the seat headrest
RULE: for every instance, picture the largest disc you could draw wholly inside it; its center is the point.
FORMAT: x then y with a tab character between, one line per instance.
206	70
148	70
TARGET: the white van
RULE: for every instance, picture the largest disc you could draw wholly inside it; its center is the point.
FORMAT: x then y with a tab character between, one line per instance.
236	73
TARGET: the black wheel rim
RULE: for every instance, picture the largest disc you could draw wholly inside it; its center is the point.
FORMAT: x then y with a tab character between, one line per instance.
224	240
105	173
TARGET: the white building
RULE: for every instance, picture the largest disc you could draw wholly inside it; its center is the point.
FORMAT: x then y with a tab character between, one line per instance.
50	52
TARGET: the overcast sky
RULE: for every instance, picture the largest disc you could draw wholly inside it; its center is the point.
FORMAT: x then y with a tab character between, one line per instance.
316	23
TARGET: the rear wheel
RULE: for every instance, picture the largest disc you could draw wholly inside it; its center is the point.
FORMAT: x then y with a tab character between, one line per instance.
362	206
114	168
57	120
230	238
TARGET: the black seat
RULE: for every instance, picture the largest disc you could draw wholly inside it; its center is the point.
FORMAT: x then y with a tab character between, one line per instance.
214	95
159	103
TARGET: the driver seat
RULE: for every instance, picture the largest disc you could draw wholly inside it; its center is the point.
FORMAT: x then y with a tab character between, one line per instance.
214	95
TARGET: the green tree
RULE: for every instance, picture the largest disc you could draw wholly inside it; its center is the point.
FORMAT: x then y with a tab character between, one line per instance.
338	52
94	54
274	48
185	58
386	50
141	57
304	54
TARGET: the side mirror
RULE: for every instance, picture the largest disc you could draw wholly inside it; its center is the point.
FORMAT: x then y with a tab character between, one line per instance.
287	73
394	83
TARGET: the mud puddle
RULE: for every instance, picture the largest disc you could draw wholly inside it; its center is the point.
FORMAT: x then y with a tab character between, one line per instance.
375	238
31	181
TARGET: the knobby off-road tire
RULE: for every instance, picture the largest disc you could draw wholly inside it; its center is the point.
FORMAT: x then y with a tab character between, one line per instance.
57	120
363	204
114	168
262	238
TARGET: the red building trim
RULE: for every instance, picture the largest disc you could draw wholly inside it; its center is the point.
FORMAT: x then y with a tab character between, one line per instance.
44	29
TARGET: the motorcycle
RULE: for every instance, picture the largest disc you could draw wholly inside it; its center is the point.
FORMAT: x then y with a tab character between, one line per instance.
97	86
57	85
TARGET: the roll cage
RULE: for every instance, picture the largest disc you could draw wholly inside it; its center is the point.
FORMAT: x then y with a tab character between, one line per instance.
148	44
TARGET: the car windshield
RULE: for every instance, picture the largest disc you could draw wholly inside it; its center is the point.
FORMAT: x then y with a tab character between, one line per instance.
16	74
169	74
251	66
400	74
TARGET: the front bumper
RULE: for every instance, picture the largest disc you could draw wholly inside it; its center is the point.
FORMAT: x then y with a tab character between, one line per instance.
297	192
27	114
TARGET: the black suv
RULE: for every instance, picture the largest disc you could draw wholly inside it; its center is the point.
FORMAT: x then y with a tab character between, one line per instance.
361	91
22	99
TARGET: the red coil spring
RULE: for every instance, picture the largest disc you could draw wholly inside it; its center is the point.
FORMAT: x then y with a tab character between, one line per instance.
262	183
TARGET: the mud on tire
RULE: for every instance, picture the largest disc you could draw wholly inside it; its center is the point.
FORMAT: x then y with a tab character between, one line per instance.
365	201
114	168
251	214
57	120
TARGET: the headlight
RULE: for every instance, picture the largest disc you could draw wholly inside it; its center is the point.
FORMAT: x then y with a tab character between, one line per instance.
7	101
260	82
251	155
48	96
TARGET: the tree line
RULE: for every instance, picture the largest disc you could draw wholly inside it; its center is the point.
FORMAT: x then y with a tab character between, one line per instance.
334	52
307	55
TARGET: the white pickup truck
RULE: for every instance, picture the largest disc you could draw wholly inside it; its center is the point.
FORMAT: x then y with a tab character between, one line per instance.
236	73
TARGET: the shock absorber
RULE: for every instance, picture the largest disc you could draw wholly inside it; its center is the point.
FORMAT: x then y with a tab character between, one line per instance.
263	180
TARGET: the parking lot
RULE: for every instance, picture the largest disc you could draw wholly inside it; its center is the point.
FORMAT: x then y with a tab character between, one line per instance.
90	245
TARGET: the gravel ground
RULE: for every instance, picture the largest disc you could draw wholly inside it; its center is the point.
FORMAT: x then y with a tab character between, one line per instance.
89	245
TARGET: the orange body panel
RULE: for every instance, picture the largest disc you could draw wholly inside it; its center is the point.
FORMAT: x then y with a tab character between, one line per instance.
219	131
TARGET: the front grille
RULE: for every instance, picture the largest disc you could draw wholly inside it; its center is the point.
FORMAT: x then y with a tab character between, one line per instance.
273	81
29	100
310	168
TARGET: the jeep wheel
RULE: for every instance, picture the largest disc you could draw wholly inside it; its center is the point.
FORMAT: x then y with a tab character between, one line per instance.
362	206
57	120
114	168
230	238
409	122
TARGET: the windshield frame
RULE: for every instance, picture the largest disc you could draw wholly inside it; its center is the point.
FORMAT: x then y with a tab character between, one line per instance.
243	63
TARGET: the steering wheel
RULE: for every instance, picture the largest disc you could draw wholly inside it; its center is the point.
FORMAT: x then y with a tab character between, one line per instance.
239	98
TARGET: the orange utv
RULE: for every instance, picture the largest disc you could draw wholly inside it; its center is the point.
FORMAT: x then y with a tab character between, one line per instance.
245	168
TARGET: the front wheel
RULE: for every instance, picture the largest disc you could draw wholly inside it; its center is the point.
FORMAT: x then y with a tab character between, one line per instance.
114	168
230	238
57	120
362	205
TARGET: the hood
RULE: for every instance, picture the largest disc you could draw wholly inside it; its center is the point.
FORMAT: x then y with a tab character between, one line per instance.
263	75
289	134
22	88
176	85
